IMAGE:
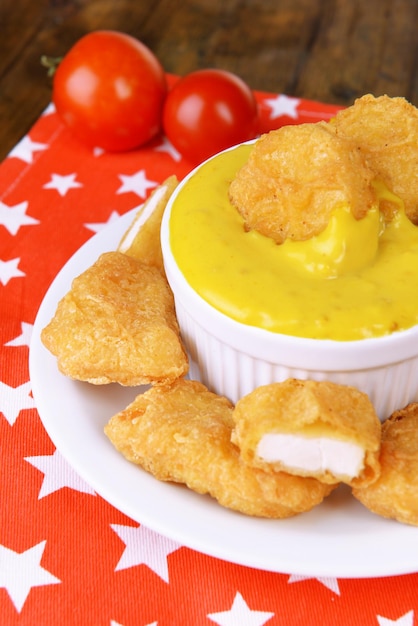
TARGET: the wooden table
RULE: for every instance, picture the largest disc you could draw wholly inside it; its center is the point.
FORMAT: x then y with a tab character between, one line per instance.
327	50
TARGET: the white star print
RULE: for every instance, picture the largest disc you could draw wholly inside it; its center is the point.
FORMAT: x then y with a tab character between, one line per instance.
98	151
13	217
330	583
144	547
97	226
15	399
283	105
9	270
167	146
25	148
19	572
24	338
62	183
241	614
137	183
57	474
49	109
404	620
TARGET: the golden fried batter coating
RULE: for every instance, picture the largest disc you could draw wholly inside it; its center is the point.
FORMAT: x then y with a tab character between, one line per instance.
117	324
395	494
385	130
182	433
142	239
309	428
294	179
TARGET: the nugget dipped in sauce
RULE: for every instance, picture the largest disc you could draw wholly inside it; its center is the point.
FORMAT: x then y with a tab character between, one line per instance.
296	177
385	131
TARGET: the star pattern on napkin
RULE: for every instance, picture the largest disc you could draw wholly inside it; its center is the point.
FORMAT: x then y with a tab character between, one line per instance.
404	620
21	571
63	184
25	149
98	226
145	547
282	105
329	583
13	217
167	146
10	269
24	338
15	399
137	183
57	474
240	613
49	110
60	534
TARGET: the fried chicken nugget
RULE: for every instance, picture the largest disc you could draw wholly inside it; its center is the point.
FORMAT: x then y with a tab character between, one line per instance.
142	239
395	494
319	429
385	130
117	324
182	433
294	179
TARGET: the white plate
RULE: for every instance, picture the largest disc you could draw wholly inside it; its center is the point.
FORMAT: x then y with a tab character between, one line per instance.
339	538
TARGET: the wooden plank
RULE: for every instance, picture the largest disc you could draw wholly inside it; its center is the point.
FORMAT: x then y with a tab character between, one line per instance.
362	47
259	41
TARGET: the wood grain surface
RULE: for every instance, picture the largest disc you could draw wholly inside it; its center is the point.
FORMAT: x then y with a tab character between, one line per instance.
327	50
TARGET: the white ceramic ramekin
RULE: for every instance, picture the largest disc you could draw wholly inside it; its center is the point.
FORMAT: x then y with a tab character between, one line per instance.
232	358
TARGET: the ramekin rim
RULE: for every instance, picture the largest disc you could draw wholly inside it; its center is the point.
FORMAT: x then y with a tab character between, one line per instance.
305	352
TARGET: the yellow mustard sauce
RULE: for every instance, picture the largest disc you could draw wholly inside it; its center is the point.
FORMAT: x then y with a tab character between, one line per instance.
357	279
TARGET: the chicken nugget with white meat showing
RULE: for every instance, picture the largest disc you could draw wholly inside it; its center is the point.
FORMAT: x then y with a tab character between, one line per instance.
182	433
309	428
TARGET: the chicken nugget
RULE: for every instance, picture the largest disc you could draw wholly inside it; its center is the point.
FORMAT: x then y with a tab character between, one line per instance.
142	239
296	177
117	324
182	433
395	494
310	428
385	130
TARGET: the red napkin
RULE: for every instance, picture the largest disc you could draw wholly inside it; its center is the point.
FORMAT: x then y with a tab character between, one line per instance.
66	556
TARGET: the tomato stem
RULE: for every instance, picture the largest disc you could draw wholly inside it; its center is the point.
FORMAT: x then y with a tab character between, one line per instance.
51	63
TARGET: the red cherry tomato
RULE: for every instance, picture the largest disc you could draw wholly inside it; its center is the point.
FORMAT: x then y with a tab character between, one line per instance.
208	111
110	89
